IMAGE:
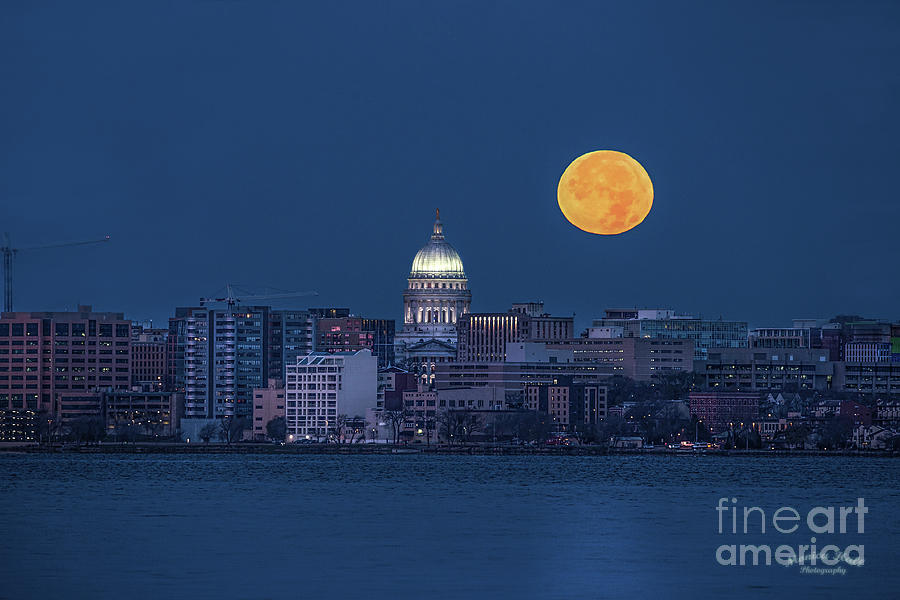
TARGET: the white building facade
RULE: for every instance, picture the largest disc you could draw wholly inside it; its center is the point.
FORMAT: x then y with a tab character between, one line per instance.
321	387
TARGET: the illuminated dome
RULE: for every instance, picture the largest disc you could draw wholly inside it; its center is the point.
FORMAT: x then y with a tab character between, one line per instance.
437	259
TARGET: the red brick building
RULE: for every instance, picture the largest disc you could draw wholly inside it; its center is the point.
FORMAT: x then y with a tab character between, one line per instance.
45	354
720	410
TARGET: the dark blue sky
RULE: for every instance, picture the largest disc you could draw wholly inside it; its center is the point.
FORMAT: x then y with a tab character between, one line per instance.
305	146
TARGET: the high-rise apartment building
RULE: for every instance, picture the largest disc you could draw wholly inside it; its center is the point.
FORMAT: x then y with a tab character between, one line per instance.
226	356
291	334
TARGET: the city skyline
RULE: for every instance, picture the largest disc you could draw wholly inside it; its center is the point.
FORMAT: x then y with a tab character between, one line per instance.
582	322
220	161
457	299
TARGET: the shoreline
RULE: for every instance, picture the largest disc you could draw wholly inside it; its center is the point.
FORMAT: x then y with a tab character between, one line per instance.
389	449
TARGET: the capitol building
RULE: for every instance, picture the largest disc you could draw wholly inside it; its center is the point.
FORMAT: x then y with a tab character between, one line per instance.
436	296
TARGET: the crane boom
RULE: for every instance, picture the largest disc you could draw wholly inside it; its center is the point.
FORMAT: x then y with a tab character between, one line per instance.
9	253
231	300
63	245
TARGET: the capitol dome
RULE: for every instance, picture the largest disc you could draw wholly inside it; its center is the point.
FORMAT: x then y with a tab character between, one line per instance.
437	259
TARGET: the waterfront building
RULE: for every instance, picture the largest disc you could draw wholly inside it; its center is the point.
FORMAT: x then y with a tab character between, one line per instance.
706	334
226	356
268	404
320	387
18	425
424	408
45	354
72	406
152	412
570	403
720	410
436	297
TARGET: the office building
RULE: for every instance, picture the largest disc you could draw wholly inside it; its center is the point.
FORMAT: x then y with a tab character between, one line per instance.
149	364
570	403
348	334
483	337
879	379
867	352
641	359
512	378
45	354
151	413
766	369
707	334
780	337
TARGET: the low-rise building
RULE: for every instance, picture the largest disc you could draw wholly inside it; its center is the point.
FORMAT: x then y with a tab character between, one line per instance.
641	359
753	369
871	378
18	425
511	378
721	410
268	404
570	403
152	413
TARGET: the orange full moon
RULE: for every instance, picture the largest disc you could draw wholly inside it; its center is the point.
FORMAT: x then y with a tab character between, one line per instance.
605	192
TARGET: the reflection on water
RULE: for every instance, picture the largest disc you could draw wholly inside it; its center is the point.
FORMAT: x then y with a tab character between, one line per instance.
399	526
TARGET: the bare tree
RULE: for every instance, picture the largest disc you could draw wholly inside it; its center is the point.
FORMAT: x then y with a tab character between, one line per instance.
207	432
459	425
231	428
276	429
340	423
396	419
471	424
356	426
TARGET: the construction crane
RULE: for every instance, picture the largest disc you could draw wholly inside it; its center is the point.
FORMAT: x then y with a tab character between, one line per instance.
232	300
9	253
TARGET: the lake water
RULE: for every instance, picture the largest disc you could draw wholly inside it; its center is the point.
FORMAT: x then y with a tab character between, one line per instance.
228	526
